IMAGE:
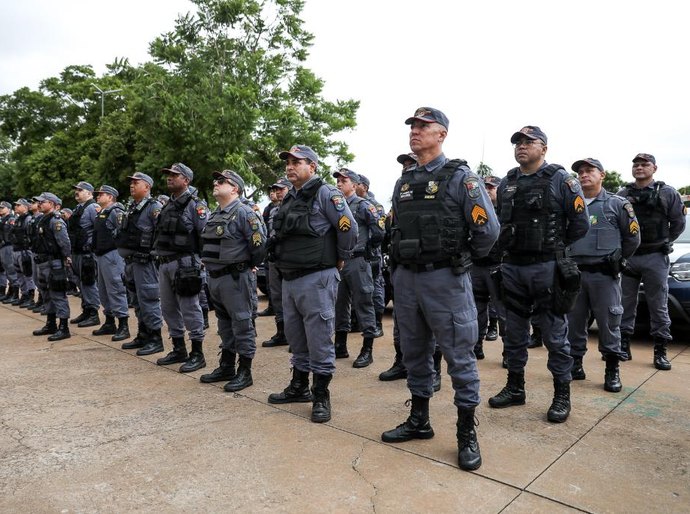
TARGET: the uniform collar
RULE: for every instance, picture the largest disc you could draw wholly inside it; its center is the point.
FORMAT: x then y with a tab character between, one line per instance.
230	205
434	164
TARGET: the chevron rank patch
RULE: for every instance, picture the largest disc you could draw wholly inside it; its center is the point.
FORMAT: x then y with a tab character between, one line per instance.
479	215
579	204
344	223
256	239
634	227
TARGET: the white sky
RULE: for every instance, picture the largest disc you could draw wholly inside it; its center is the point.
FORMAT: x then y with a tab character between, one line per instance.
602	79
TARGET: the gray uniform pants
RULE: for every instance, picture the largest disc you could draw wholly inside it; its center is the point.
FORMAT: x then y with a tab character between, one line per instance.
600	295
275	284
7	259
179	311
89	294
652	269
24	280
111	267
146	297
485	294
379	296
529	285
55	302
309	315
232	299
355	291
437	304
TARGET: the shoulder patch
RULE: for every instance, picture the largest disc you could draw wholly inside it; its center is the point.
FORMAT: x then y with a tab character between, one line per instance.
338	202
382	222
372	209
155	212
472	186
58	227
573	184
629	208
201	211
256	239
479	216
634	227
579	204
344	223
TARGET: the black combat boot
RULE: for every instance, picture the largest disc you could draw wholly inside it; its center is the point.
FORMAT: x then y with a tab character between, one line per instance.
178	353
107	328
91	319
154	344
469	456
243	377
438	357
19	299
225	370
578	372
38	305
268	311
366	354
62	332
341	345
12	294
479	350
196	358
397	371
28	300
49	328
535	340
84	314
417	425
296	391
660	360
379	325
492	331
277	339
626	353
204	314
122	330
512	394
560	407
612	379
321	397
3	293
139	340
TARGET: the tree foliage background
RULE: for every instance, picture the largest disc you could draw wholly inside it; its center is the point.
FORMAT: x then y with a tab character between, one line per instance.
226	88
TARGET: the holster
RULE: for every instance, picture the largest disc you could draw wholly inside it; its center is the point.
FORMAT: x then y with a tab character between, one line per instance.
88	270
566	285
57	280
27	264
187	280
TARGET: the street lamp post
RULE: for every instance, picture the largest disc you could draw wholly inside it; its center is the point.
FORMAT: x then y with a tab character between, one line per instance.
103	93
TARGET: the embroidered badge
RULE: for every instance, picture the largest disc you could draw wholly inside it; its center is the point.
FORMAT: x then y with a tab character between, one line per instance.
338	202
593	219
472	186
219	230
256	239
201	212
58	227
634	227
579	205
344	223
479	215
405	187
629	209
573	184
432	187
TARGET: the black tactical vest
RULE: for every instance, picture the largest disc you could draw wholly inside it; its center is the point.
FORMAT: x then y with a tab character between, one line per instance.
32	229
46	242
20	233
171	233
5	230
130	236
430	227
103	240
654	227
297	245
78	236
219	243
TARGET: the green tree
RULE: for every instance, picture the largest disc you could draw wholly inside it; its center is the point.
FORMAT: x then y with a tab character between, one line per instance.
7	170
613	181
685	190
484	170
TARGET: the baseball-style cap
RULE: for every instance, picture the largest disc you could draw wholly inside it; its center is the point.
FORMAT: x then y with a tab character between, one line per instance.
645	157
346	173
591	161
492	180
50	197
428	115
181	169
22	201
141	176
66	210
300	152
404	157
84	185
5	204
530	132
364	180
108	190
281	183
232	176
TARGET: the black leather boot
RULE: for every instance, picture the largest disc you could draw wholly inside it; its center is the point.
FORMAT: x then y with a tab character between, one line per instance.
297	390
91	319
139	340
122	330
49	328
18	299
626	353
492	331
107	328
204	314
84	314
366	354
535	340
39	304
469	456
578	372
379	325
321	397
417	425
268	311
660	360
178	353
479	350
397	371
196	358
438	357
12	294
560	407
512	394
278	339
225	370
243	377
154	344
27	300
62	332
612	379
341	345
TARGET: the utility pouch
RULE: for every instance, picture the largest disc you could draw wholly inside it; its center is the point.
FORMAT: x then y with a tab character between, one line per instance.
408	249
88	270
27	264
57	280
566	285
187	280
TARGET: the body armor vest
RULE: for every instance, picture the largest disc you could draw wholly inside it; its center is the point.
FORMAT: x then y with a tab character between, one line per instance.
20	233
171	233
78	235
362	228
46	243
103	240
531	222
654	227
220	242
429	228
32	229
297	245
5	230
603	237
130	236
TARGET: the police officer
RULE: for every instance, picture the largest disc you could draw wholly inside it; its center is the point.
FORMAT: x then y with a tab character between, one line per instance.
272	206
111	265
614	235
176	248
275	281
542	210
23	257
134	244
442	217
357	284
233	243
36	215
661	214
53	254
9	277
80	226
315	233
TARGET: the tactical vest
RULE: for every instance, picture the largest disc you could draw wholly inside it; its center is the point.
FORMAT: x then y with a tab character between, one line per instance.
603	237
5	230
532	223
20	233
171	233
429	228
654	226
297	245
32	229
130	236
103	240
362	228
46	242
219	243
78	235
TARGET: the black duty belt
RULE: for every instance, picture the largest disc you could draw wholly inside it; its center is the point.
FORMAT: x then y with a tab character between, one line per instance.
139	257
647	251
600	267
430	266
43	257
294	274
164	259
230	269
358	253
525	260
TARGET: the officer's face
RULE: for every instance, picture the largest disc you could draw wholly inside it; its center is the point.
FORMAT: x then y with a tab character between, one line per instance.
272	195
138	189
103	199
46	206
81	195
223	188
643	170
280	193
529	151
4	211
176	182
361	190
298	171
491	191
590	177
20	209
346	186
425	137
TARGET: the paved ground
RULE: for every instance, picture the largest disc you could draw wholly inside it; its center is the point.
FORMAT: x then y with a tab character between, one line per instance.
87	427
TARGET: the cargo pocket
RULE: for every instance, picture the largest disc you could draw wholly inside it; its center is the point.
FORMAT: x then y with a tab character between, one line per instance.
615	315
243	320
